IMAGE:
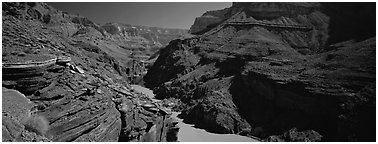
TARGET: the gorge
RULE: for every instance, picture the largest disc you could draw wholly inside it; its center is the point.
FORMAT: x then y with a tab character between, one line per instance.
258	71
277	71
189	133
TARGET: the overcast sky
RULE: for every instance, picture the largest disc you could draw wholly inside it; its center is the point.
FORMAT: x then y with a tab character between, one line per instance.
159	14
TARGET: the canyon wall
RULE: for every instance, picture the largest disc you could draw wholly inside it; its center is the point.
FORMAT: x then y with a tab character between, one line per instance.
268	75
58	86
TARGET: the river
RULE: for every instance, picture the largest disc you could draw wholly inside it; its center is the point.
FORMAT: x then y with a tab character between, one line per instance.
188	133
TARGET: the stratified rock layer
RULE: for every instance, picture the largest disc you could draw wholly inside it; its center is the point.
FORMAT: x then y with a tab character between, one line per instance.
263	74
78	89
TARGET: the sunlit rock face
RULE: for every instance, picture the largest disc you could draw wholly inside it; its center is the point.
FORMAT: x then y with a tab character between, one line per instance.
279	16
201	23
62	68
152	36
260	11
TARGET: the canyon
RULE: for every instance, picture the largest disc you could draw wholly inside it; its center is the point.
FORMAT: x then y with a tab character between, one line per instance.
250	72
189	133
276	71
71	78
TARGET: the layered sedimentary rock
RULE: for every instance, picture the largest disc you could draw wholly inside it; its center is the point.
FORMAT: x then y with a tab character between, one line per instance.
153	36
31	76
263	74
201	23
124	44
74	90
259	11
302	26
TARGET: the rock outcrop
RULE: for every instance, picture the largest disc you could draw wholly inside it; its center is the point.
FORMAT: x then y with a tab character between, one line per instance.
264	74
259	11
123	42
69	88
16	108
202	23
301	25
336	22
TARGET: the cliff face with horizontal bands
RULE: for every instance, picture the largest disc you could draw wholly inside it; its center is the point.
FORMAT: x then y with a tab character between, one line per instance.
272	76
53	69
123	41
274	16
154	36
261	11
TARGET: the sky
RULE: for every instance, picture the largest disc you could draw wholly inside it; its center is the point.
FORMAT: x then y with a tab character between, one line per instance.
158	14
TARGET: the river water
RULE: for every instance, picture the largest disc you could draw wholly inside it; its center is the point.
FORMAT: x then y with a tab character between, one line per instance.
188	133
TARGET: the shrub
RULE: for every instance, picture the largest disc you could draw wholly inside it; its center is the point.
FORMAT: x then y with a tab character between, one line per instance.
37	124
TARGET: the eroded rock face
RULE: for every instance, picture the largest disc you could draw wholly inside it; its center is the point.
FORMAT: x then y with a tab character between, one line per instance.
124	45
316	15
75	114
264	77
302	26
257	10
201	23
216	113
153	36
80	96
143	119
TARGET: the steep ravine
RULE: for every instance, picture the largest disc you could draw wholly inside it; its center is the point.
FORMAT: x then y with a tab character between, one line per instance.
190	133
266	70
62	87
81	106
258	76
262	100
269	70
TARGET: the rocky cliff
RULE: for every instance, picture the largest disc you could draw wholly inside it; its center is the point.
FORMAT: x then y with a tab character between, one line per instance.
341	22
286	18
140	43
153	36
267	70
122	41
59	85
